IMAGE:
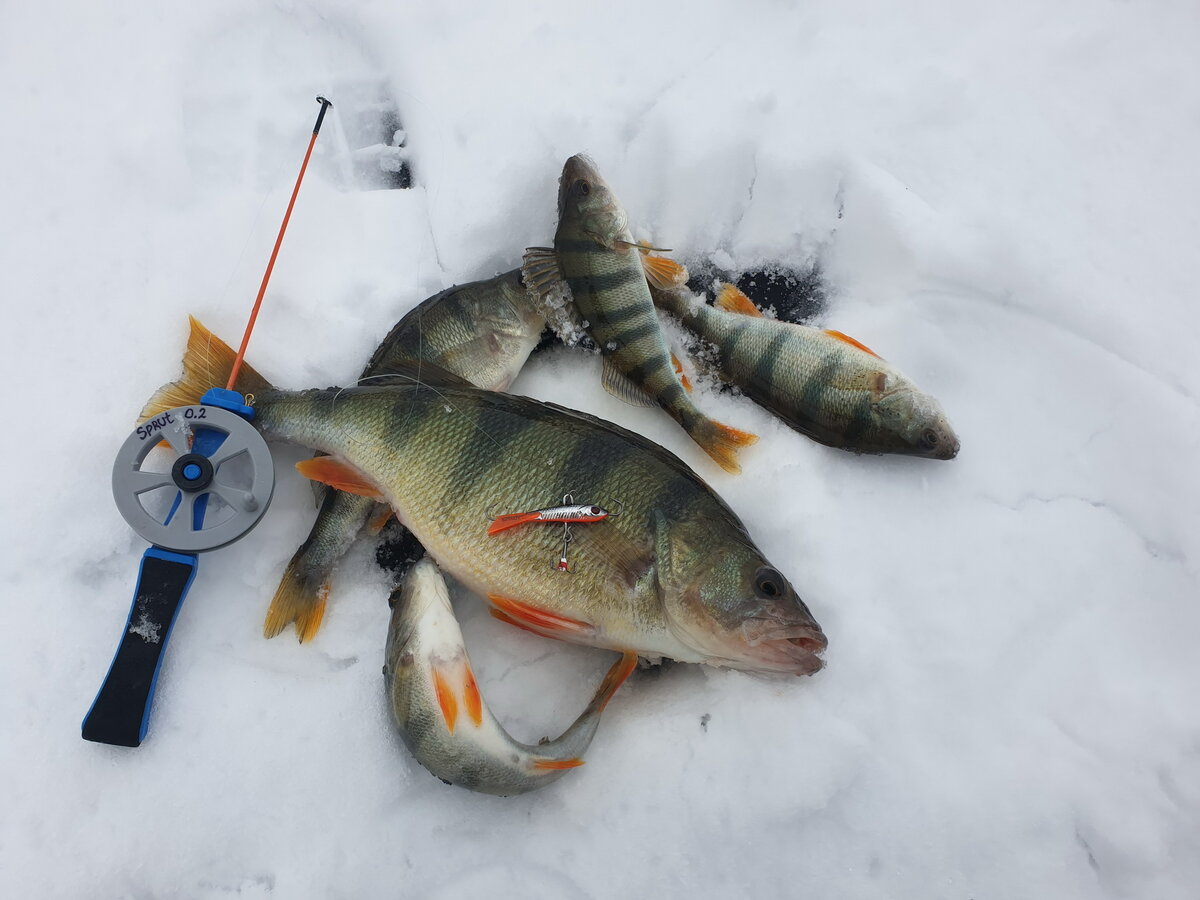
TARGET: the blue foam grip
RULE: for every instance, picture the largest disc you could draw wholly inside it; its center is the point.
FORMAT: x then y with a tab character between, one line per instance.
121	710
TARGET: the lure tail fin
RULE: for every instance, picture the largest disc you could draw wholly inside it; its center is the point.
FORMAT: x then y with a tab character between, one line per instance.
300	598
511	520
722	442
207	362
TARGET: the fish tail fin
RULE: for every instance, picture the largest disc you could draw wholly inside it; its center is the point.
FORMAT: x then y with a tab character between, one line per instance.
722	443
207	362
300	598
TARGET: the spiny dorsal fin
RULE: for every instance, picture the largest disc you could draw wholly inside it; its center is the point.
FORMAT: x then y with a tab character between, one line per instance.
540	269
846	339
618	384
731	299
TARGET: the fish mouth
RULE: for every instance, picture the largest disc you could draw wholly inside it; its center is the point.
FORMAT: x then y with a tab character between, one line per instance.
792	649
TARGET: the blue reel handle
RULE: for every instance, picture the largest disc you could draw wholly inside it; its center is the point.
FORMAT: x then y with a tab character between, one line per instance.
121	710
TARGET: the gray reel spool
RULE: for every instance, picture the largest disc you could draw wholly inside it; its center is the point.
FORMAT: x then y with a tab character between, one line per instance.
204	439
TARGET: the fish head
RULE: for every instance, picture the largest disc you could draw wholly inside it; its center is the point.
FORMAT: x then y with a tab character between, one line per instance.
729	604
587	207
913	422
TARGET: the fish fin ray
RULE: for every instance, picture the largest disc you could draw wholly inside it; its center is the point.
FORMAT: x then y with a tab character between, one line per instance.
613	679
472	700
300	598
619	385
663	273
447	702
550	623
509	620
554	765
722	442
540	268
731	299
337	474
207	362
683	379
846	339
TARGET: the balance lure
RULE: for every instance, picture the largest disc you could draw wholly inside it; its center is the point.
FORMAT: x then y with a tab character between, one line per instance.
576	512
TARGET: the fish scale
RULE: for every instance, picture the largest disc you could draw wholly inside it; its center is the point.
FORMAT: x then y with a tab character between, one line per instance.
675	574
595	254
435	467
481	331
823	384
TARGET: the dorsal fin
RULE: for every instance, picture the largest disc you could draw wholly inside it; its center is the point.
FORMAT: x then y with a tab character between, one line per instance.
846	339
731	299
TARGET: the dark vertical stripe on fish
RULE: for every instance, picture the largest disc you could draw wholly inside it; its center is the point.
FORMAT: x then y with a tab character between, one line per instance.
495	431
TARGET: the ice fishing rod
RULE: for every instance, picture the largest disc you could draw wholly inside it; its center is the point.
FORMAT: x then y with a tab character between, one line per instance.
207	508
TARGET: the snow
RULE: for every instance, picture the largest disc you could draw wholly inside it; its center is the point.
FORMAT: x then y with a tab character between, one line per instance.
1002	198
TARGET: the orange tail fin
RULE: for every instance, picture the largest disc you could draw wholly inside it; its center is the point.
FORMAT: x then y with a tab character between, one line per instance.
722	442
300	598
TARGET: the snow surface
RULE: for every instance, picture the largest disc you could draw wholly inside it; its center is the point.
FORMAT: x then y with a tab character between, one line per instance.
1009	708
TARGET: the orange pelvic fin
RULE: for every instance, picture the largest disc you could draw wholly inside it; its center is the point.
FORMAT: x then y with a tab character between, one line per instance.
664	273
557	763
733	300
511	520
339	475
614	678
683	379
445	698
473	701
539	620
846	339
380	519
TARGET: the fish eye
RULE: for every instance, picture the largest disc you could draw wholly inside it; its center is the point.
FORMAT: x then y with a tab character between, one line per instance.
929	439
583	187
595	510
768	582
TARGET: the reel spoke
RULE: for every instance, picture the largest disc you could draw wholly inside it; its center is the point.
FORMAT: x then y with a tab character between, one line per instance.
240	500
180	525
177	439
140	482
232	446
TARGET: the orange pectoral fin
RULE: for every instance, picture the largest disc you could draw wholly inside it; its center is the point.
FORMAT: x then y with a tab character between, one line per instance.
339	475
445	698
539	620
846	339
511	520
733	300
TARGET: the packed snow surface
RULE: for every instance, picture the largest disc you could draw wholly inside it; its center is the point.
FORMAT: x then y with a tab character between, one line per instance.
1002	201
